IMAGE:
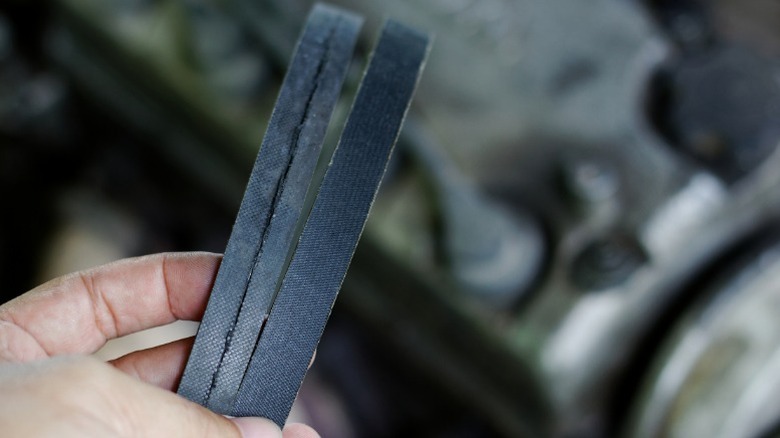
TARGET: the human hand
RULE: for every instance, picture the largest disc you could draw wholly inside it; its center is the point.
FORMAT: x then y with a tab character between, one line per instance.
51	387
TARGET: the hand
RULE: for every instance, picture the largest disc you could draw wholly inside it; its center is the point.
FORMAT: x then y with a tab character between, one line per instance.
51	387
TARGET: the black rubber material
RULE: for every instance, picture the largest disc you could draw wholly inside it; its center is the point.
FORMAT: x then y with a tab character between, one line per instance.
284	264
334	226
262	235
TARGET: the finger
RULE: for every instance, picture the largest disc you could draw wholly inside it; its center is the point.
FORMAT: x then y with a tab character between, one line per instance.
298	430
81	396
150	411
77	313
253	427
161	366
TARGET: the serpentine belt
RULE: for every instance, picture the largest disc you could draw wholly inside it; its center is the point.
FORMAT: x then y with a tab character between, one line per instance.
284	264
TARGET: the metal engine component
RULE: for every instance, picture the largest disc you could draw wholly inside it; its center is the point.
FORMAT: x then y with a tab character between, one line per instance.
717	375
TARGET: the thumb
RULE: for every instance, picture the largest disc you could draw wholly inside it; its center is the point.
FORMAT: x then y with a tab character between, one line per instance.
254	427
82	396
151	411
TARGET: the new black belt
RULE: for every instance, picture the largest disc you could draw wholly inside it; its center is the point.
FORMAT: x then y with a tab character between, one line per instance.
285	260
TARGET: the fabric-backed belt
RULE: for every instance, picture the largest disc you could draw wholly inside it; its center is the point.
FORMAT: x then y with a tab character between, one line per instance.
286	257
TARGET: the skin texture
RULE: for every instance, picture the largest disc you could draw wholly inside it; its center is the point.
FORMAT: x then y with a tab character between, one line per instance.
50	385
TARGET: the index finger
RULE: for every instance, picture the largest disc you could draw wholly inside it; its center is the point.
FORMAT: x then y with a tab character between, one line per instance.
78	313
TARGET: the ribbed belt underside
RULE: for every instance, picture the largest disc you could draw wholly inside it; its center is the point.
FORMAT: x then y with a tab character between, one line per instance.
285	261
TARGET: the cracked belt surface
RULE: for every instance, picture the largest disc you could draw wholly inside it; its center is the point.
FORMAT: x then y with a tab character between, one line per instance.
288	254
262	236
333	227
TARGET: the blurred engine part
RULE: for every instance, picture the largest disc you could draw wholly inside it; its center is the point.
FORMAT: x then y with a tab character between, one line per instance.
716	99
717	372
489	251
579	178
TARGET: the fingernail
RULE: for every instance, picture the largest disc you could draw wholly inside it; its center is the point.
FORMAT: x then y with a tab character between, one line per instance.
256	427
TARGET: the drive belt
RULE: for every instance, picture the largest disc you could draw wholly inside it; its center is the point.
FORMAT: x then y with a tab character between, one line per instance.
285	262
262	234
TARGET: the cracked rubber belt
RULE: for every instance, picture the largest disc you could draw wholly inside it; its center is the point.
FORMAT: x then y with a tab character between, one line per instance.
253	365
332	230
263	231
